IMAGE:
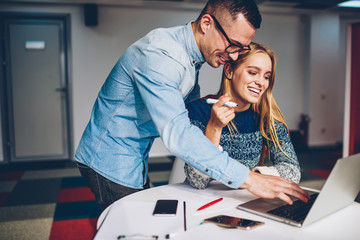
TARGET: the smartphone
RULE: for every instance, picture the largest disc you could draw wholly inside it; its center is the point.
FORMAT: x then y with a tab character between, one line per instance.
165	207
234	222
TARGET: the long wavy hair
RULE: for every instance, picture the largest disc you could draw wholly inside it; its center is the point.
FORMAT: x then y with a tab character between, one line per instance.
266	108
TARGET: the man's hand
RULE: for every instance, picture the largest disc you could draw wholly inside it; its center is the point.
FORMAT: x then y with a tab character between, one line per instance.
267	186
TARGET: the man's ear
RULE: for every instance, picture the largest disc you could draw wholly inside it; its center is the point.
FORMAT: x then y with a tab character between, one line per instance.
228	70
205	23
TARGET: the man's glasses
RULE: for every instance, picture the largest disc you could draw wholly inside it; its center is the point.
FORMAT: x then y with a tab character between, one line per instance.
232	48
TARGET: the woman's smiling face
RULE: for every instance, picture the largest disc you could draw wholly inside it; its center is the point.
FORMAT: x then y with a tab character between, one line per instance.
250	79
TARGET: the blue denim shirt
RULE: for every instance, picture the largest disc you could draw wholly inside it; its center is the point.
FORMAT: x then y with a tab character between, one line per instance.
143	98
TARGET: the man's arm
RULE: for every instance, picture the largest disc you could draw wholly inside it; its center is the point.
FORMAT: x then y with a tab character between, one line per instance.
159	84
218	120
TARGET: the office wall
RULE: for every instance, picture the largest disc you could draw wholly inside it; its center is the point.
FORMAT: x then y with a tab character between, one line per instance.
293	37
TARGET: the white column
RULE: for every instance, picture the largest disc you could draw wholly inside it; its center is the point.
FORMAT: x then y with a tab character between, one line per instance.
326	95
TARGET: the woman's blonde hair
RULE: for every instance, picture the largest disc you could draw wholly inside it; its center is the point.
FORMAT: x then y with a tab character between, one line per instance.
267	109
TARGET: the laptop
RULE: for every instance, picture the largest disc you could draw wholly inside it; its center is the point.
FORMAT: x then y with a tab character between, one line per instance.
339	191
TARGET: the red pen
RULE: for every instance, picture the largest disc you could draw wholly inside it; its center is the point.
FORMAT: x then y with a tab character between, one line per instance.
210	204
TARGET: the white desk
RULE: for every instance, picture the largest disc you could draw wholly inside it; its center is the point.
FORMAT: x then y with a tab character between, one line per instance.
133	215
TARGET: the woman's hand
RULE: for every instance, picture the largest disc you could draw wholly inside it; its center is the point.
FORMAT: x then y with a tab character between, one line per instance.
220	116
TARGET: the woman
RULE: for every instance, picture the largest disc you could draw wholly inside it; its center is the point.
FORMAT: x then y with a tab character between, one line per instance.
255	126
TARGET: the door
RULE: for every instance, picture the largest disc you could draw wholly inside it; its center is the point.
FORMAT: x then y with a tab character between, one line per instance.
354	91
36	84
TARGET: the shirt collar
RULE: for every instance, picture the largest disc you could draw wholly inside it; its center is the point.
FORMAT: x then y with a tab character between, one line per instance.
191	46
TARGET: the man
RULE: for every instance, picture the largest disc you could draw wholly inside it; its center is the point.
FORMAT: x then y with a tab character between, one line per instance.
143	98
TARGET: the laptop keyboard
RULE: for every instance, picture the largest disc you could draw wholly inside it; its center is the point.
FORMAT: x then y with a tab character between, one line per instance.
297	211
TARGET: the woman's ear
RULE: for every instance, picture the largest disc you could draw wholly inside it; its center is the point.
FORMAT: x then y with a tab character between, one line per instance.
228	70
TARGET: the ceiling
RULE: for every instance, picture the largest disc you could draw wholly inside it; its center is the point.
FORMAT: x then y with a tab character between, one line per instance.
327	5
295	4
303	4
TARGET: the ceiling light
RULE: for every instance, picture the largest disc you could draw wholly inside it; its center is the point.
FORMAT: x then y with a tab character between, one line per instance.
353	4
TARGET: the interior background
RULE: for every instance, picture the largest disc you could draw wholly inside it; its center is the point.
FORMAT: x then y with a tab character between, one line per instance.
310	47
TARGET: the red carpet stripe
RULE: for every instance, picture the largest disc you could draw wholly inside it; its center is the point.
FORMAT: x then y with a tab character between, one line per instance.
323	173
75	195
79	229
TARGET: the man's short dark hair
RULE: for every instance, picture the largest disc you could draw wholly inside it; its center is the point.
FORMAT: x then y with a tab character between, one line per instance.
248	8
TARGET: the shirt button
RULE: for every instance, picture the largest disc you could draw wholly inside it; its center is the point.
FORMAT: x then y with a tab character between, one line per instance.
229	182
206	170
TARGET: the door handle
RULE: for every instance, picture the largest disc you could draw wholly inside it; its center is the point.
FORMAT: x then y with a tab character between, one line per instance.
62	89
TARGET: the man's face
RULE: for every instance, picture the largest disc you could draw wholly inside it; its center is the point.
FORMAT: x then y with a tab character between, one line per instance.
239	32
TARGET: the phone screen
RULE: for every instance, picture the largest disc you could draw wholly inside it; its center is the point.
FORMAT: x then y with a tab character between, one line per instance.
165	207
233	222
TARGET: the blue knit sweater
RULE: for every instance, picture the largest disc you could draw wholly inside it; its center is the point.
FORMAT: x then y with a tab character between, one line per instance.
246	143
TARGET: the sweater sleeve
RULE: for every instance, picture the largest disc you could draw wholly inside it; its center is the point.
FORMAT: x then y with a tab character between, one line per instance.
285	161
195	178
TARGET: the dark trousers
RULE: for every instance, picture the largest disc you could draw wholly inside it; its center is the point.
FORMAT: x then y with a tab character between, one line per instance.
106	192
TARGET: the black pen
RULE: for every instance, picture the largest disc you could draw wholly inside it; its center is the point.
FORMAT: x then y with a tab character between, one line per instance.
184	216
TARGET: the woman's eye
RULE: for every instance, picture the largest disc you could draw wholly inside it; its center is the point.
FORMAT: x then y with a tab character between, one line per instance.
252	73
267	77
